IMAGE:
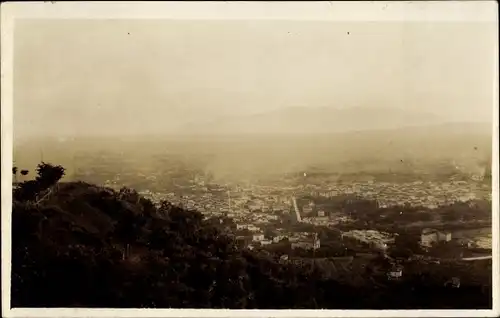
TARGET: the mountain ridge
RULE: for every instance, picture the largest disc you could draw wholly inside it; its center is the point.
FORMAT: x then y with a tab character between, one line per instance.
315	120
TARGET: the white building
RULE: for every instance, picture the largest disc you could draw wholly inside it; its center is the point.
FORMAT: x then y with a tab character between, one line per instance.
278	238
253	228
431	236
307	243
308	209
395	273
258	237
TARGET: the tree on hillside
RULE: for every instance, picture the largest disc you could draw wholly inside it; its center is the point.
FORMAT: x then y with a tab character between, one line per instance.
24	173
27	191
49	175
14	172
405	245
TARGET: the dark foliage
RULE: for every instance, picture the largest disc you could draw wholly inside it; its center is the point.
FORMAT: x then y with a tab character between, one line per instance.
48	175
88	246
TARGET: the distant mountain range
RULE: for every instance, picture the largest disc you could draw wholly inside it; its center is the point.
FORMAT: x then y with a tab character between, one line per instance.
306	120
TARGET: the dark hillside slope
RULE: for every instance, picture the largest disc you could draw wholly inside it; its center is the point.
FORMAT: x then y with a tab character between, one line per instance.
87	246
77	248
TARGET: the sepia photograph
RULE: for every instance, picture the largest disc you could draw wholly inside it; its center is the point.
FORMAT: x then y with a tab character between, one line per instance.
252	156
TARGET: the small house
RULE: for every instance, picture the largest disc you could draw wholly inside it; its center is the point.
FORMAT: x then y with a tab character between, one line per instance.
258	237
395	273
454	282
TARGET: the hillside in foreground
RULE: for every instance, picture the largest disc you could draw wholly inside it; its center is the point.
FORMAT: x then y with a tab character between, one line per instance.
81	245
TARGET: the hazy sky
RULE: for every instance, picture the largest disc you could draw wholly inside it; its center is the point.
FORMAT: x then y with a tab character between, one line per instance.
151	76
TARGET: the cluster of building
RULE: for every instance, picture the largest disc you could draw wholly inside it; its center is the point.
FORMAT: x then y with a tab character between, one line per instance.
375	239
478	237
429	237
254	207
302	240
239	199
418	193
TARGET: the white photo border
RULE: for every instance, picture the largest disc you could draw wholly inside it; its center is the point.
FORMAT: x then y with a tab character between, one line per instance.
474	11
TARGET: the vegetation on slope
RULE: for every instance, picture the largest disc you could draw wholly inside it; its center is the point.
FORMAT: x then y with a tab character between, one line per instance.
81	245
